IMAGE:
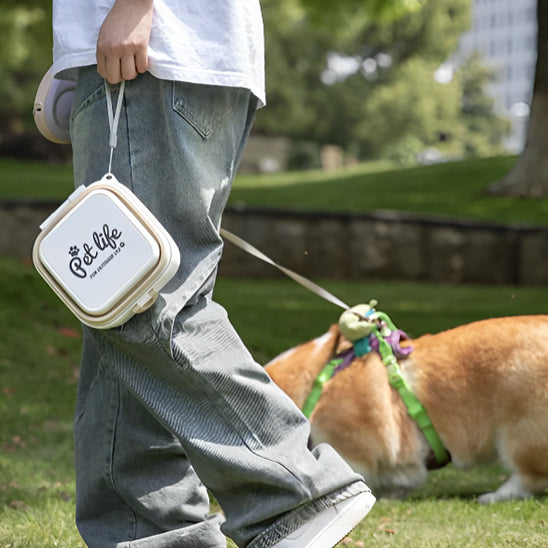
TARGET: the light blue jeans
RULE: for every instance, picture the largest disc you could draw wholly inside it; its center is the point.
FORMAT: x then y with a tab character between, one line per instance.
171	405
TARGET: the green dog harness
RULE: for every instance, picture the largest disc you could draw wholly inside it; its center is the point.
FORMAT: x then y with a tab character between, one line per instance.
382	328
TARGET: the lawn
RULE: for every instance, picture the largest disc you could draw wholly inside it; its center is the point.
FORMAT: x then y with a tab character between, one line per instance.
455	189
38	373
39	351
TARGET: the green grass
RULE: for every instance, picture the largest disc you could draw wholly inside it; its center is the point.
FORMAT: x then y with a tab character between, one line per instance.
452	523
40	342
39	354
290	314
453	189
34	180
39	351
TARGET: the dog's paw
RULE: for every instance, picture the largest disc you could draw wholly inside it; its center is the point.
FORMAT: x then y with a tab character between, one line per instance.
512	489
488	498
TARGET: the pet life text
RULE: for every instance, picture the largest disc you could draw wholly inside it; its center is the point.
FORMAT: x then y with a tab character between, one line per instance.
105	240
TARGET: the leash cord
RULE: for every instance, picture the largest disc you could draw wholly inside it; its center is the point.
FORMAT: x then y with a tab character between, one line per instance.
305	282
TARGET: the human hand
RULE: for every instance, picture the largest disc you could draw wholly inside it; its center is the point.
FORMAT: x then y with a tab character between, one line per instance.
122	43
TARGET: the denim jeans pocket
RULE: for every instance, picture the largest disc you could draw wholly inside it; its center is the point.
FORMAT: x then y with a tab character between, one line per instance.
204	107
82	98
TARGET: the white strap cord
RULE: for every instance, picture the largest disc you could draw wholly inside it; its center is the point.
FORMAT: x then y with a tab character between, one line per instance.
311	286
113	119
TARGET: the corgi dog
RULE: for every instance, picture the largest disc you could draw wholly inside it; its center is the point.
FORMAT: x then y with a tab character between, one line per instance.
484	387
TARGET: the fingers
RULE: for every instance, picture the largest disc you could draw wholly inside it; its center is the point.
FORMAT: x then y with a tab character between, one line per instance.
122	44
141	61
115	67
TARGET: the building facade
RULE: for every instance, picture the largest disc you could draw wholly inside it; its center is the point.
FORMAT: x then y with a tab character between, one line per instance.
504	32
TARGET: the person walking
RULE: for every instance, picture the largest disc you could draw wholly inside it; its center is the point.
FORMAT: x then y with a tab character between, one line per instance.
171	406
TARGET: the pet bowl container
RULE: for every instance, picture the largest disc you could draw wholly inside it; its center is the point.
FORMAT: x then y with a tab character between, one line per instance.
105	254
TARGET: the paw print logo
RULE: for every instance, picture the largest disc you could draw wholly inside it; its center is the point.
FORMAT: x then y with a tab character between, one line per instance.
73	251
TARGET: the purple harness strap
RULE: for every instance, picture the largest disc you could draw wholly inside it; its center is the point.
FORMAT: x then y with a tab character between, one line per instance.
371	344
393	339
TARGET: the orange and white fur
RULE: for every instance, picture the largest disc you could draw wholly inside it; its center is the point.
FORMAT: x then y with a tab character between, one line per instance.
484	386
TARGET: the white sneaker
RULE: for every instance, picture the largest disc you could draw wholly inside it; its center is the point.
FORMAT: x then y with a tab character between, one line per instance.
331	525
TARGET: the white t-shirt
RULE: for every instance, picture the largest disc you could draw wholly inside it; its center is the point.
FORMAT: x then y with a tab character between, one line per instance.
216	42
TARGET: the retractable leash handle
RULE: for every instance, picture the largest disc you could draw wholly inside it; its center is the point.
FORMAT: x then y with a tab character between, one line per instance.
52	107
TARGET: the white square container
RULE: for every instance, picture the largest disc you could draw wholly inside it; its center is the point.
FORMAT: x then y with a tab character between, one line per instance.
105	254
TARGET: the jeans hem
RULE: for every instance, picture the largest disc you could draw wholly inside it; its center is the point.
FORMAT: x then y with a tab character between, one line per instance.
201	535
296	518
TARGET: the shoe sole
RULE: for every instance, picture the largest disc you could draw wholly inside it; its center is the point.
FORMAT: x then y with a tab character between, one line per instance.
339	520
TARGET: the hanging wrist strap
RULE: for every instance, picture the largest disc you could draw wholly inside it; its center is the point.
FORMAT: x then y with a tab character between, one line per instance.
113	119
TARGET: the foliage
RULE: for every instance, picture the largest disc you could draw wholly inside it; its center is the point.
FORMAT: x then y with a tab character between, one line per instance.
384	101
411	104
304	155
25	50
456	117
482	128
377	10
388	105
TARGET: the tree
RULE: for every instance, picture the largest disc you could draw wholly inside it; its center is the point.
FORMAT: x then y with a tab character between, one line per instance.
529	175
482	128
388	99
25	50
376	10
387	104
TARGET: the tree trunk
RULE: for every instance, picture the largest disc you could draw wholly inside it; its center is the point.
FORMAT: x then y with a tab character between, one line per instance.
529	175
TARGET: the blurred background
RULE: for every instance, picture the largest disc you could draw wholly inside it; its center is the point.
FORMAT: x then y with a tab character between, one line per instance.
361	94
414	81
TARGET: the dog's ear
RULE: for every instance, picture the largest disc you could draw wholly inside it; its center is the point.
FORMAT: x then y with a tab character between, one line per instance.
295	370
